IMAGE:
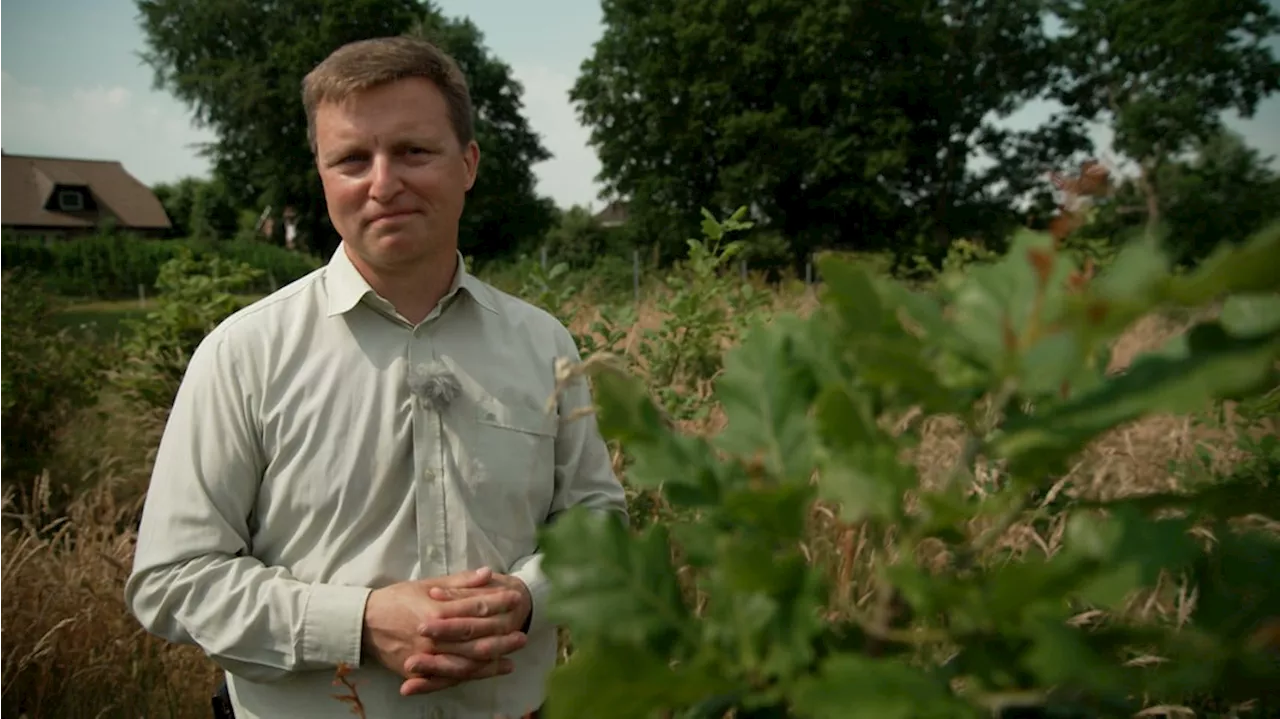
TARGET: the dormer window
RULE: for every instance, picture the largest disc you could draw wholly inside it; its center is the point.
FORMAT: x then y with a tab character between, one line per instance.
70	200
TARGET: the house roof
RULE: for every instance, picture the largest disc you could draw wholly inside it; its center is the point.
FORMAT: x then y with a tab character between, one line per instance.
613	213
26	182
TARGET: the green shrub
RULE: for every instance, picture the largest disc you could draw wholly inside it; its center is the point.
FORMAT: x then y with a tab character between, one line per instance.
827	408
196	293
48	374
114	265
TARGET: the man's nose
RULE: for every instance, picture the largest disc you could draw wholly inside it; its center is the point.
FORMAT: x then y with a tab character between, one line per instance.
385	179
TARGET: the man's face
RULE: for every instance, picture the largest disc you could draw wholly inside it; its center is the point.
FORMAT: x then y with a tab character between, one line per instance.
394	174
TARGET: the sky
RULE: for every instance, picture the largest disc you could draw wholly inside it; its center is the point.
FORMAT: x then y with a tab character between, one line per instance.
74	86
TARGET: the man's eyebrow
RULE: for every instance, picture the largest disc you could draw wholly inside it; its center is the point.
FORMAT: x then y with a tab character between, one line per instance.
339	151
415	137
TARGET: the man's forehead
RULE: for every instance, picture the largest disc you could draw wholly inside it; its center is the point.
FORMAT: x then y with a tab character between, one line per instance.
349	119
413	88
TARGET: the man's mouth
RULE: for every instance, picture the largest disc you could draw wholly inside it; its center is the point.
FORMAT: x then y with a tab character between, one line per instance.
392	216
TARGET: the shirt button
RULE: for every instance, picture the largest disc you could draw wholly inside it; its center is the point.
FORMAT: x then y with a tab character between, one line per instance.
433	554
428	475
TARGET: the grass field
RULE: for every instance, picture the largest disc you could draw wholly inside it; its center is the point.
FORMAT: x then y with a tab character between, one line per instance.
105	319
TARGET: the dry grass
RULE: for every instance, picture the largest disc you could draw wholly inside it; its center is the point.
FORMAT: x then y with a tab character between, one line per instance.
72	649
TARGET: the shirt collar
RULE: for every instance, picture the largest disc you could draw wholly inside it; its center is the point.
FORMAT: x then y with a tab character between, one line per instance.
346	287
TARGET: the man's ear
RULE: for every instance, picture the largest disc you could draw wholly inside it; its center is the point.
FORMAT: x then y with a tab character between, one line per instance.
471	158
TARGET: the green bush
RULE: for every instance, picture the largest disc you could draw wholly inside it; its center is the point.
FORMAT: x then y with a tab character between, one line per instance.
719	612
114	265
48	374
196	293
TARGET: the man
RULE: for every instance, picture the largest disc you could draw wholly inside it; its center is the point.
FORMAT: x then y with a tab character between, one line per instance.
345	454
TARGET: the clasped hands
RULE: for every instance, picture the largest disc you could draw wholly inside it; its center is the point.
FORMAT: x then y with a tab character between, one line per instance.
440	632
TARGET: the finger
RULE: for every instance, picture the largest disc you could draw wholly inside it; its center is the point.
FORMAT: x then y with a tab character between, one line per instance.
486	605
484	649
425	685
447	593
472	578
451	666
464	629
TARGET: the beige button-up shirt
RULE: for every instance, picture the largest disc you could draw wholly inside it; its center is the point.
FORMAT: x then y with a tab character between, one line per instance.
303	464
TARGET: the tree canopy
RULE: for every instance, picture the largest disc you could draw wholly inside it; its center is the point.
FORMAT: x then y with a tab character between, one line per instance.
1161	72
862	124
239	65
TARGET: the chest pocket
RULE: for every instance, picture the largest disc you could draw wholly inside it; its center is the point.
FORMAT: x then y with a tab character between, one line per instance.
511	474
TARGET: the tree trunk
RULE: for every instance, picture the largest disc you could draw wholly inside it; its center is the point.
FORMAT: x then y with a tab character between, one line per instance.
1146	179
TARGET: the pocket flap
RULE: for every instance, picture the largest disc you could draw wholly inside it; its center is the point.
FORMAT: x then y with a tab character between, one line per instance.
517	417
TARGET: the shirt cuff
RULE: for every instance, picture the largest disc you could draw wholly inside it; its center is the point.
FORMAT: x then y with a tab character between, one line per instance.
333	625
529	570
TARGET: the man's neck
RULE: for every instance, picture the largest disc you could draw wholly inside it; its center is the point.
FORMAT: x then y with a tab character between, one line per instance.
414	291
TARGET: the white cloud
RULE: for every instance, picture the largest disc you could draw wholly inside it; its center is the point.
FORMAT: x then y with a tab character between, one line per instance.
151	134
569	176
100	99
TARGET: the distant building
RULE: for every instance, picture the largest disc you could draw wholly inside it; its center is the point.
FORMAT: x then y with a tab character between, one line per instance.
65	197
613	215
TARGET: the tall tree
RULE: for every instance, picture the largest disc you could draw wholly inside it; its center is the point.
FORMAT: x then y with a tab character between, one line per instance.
848	122
1161	72
239	65
503	210
1224	192
199	208
706	104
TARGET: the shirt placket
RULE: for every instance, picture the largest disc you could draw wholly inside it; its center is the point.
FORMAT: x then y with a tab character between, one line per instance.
428	469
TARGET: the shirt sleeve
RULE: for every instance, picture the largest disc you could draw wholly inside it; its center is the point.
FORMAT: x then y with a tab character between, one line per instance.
584	476
194	579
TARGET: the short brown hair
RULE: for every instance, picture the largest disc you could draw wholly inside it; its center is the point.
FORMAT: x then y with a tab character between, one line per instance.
365	64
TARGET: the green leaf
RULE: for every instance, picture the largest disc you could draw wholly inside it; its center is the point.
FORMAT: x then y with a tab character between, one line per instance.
1139	280
849	290
1245	269
921	309
1135	277
1225	499
995	303
1236	584
1032	587
1214	366
764	607
765	393
1251	314
778	511
1051	363
849	686
625	411
608	585
1064	656
860	468
617	680
1129	550
678	460
845	419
